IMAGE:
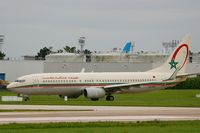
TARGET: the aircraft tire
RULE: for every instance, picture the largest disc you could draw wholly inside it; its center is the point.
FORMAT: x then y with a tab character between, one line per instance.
26	99
110	98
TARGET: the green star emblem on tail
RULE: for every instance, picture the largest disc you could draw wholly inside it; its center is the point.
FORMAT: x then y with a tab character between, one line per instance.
173	64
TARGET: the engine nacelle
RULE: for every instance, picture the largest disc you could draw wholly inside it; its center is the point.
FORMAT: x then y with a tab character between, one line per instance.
94	93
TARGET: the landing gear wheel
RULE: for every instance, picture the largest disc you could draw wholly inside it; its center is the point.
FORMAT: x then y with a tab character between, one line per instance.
26	98
109	98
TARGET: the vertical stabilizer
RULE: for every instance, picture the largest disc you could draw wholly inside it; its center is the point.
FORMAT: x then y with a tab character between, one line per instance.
177	59
127	47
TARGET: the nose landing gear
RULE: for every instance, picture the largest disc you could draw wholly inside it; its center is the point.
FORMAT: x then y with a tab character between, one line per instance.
25	97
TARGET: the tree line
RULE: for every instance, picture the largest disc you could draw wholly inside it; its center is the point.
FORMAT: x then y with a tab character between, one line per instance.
2	55
48	50
190	83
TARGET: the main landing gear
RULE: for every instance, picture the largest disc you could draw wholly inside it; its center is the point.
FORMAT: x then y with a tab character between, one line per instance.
109	98
25	97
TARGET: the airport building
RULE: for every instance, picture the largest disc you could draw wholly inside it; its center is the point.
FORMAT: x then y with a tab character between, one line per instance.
16	68
101	62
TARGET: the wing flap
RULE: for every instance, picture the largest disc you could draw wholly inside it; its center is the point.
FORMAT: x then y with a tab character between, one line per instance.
127	85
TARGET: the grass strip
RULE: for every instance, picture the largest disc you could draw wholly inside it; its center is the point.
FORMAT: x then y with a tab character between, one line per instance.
106	127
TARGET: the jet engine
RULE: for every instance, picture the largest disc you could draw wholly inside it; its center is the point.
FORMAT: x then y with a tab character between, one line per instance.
94	93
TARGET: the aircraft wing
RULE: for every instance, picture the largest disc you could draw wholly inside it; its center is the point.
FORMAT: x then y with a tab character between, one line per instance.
119	87
122	85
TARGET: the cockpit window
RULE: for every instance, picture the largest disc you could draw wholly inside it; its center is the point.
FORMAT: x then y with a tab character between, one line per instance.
20	81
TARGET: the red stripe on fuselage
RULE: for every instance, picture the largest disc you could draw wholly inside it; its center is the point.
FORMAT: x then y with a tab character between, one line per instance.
61	85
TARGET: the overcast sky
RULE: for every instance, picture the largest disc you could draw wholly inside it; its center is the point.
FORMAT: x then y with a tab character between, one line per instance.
29	25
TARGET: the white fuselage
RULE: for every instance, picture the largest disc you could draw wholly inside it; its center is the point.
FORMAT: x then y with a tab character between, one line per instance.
72	84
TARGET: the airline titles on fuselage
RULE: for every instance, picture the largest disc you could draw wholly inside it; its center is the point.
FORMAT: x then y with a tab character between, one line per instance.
60	77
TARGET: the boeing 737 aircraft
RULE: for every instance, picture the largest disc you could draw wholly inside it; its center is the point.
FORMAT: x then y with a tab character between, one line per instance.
98	85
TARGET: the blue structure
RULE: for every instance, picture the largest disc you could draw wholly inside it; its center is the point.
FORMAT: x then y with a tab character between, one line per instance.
2	76
127	47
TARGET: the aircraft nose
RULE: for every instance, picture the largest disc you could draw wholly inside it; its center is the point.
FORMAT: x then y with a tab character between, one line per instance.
10	86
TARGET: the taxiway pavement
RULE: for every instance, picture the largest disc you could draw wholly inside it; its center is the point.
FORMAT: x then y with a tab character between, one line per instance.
45	113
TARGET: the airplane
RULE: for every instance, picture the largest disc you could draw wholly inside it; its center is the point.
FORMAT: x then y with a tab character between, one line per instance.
98	85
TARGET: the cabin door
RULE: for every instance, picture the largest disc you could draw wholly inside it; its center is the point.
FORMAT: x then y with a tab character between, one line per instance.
35	81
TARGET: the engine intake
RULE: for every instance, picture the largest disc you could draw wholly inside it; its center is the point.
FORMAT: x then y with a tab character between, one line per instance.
94	93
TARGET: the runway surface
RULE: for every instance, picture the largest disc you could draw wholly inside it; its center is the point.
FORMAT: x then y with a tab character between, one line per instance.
94	113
